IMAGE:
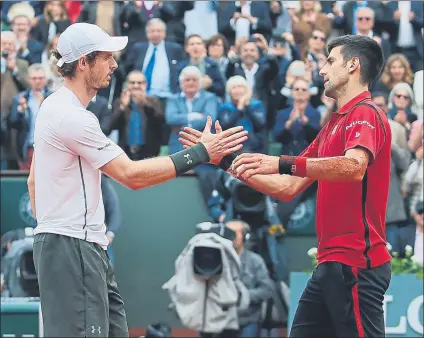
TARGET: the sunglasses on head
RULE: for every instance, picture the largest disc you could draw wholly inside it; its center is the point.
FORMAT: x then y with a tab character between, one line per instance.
316	37
399	96
362	18
137	82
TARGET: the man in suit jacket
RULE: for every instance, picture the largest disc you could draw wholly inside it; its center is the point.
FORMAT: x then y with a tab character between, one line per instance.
99	106
25	108
157	59
212	80
244	18
261	73
13	80
404	21
191	107
365	20
138	118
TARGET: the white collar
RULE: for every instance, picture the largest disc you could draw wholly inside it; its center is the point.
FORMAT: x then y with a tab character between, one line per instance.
253	70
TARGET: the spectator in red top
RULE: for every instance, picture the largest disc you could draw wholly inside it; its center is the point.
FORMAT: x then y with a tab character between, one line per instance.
350	159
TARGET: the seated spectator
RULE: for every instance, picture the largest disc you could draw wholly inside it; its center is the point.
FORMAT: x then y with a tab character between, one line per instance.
242	110
20	16
212	81
24	113
401	102
415	136
157	59
217	49
400	232
418	93
298	125
191	108
6	5
261	73
138	118
53	21
396	70
307	19
298	70
13	80
136	14
243	19
414	179
365	19
345	18
255	276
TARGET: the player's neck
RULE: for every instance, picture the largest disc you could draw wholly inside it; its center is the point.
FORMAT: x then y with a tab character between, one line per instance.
84	94
349	93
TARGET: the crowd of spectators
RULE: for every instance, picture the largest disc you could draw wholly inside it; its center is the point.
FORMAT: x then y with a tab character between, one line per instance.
249	63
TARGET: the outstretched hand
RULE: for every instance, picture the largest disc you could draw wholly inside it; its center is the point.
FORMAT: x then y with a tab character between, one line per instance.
247	165
218	145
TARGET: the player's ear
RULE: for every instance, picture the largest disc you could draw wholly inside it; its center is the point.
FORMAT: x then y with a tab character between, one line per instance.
353	64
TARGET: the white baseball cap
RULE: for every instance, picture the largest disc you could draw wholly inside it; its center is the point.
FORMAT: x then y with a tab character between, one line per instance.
81	39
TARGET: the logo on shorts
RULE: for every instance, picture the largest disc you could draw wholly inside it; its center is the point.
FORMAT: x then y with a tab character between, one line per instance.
93	329
25	210
107	145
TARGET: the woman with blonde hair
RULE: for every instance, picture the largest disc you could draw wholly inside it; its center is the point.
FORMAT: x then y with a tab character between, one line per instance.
397	70
53	21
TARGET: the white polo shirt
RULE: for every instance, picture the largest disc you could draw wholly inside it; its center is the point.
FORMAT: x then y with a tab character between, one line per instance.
69	149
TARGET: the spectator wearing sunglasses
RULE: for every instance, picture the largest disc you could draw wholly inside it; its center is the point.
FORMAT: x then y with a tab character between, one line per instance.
298	125
138	118
401	104
365	20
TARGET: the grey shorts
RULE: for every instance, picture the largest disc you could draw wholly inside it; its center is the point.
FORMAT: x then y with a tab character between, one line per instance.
78	291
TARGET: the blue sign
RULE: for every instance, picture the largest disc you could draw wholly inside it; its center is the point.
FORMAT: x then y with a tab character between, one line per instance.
403	303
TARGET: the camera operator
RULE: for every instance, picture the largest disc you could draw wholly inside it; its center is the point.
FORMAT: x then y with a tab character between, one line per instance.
254	275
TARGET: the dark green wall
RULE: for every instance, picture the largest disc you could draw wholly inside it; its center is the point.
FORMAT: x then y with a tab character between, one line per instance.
157	224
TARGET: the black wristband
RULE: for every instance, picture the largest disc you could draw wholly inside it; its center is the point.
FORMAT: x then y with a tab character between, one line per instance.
187	159
226	161
285	165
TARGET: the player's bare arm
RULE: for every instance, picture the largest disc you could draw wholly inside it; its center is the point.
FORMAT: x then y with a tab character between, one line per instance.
31	187
350	167
145	173
282	187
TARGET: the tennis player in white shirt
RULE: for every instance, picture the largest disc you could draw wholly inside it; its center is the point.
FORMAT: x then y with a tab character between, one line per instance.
78	291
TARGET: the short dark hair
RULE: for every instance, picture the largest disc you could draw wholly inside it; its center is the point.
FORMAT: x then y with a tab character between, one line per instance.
213	40
69	69
380	94
367	50
188	38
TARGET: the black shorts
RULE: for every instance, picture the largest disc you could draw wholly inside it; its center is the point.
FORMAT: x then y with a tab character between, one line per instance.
341	301
78	292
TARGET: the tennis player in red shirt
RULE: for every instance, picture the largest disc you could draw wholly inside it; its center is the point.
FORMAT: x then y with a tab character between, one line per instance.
350	159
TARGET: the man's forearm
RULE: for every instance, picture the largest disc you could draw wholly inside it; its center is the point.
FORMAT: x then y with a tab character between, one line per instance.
146	173
281	187
334	169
